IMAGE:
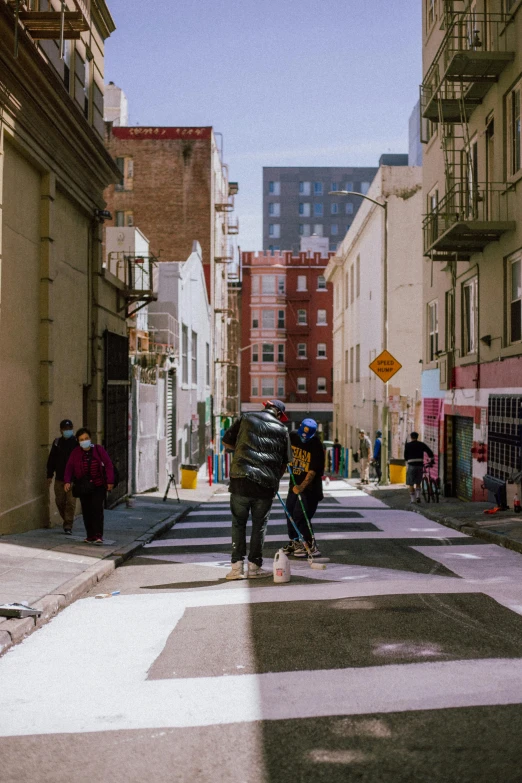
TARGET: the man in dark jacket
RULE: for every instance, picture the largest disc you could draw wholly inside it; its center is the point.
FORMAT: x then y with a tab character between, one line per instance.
56	462
414	452
261	449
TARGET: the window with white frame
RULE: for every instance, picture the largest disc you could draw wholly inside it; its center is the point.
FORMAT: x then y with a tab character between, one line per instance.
321	283
255	319
515	305
194	357
274	230
321	385
334	229
318	229
301	384
268	352
301	317
348	207
274	188
281	353
184	354
301	283
430	13
281	283
321	317
268	285
514	129
280	319
255	285
318	209
469	316
268	320
255	387
305	209
450	320
318	188
321	350
304	229
274	209
301	350
433	330
305	188
280	386
267	387
255	353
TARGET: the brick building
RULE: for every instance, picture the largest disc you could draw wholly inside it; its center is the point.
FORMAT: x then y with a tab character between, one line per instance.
286	334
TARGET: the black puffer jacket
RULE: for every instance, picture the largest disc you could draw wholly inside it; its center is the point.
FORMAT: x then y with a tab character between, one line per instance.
261	448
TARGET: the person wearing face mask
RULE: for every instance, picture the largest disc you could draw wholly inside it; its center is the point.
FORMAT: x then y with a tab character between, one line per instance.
58	457
308	468
91	472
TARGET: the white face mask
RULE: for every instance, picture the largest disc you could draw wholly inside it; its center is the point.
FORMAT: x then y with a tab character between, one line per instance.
85	444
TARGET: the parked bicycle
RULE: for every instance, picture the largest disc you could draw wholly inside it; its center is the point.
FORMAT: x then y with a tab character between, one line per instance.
430	484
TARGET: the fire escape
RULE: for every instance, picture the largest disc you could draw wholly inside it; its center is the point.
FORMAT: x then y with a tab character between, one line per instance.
50	24
474	51
138	276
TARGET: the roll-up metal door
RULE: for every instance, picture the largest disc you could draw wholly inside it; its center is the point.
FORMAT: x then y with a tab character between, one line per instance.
463	443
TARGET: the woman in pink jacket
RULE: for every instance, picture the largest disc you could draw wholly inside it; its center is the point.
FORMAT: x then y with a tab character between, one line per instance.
91	473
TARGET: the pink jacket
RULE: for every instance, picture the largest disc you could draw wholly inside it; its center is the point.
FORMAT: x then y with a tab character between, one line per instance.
74	468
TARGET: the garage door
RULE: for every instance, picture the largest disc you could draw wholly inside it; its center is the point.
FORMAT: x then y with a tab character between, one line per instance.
463	443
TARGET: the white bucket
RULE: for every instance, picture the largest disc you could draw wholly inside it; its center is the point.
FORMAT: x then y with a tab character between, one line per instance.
281	567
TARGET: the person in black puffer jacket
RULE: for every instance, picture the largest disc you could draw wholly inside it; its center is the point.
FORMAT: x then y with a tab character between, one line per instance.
262	451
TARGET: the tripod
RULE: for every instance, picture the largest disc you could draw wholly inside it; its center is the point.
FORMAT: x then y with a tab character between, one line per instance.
171	479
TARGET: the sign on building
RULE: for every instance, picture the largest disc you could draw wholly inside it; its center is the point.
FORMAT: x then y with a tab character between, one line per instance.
385	366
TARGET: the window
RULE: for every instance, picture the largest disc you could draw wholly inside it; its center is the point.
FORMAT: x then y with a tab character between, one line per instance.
430	13
274	230
346	367
469	314
255	387
280	319
281	353
194	357
129	218
268	352
120	219
305	188
334	229
433	331
348	208
281	386
304	209
274	209
281	284
321	350
267	387
365	187
255	319
321	317
301	317
268	319
346	291
301	282
126	167
321	283
255	353
274	188
348	186
318	209
120	162
304	230
352	283
351	365
334	209
318	188
301	350
301	384
321	385
318	229
515	162
87	87
274	249
207	364
357	363
268	285
255	285
515	320
335	186
450	320
184	354
358	276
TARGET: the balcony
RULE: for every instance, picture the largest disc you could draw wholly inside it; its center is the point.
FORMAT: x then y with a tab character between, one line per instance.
52	24
137	273
231	228
475	50
467	219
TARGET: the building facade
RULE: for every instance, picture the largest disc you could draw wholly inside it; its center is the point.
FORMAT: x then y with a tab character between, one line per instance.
287	334
63	343
377	271
470	107
296	203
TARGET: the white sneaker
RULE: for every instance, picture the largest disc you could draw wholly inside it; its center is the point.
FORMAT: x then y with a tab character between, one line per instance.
256	572
236	571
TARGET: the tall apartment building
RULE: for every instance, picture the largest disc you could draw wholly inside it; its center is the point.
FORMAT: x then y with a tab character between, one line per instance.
63	343
472	184
296	203
287	334
174	186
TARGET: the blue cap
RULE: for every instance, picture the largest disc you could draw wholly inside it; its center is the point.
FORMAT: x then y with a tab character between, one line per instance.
307	429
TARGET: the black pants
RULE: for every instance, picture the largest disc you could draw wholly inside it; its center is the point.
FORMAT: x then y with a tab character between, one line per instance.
260	509
377	466
92	510
294	507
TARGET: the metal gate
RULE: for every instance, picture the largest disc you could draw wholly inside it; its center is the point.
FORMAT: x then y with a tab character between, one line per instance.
116	409
463	443
147	438
504	435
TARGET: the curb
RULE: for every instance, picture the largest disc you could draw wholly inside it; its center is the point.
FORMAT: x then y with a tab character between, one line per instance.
13	631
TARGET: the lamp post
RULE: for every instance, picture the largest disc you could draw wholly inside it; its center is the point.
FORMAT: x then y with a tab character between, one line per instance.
385	410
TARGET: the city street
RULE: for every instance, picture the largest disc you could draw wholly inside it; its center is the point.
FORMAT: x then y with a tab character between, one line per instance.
401	661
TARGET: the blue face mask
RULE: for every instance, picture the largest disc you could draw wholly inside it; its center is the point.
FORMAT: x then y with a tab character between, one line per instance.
85	444
68	433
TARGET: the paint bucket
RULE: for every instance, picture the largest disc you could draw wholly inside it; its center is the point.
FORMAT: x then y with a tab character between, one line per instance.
281	567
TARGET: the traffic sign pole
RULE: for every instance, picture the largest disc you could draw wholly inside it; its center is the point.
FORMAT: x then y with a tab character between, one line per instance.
385	366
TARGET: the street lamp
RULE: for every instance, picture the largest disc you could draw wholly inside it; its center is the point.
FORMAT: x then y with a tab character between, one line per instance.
385	411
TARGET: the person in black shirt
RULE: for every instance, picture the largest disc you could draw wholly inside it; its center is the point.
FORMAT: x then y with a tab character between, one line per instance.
414	452
308	468
58	457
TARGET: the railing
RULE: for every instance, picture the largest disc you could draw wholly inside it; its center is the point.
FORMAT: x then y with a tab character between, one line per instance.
136	272
165	333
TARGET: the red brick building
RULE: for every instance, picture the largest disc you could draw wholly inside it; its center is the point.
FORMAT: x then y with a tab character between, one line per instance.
287	313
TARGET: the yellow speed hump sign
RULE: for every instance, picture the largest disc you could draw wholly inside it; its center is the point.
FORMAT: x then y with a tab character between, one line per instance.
385	366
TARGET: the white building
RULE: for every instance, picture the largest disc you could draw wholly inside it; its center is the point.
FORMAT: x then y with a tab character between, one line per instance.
357	272
115	106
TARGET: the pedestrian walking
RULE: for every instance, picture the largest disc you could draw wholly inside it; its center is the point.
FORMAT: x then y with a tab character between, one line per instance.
365	452
91	473
337	451
262	451
58	457
377	449
414	452
307	467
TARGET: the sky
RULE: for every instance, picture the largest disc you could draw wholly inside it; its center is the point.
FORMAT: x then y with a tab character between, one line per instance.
287	82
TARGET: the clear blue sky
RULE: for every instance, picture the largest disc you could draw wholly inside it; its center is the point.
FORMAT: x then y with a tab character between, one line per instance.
287	82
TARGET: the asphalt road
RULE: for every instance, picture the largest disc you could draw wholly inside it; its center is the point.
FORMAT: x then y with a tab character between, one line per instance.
400	662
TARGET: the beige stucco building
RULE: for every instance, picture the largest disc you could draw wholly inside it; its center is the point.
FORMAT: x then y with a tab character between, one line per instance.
472	191
357	272
57	308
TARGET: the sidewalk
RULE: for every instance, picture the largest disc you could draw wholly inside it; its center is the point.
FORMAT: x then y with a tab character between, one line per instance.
50	571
